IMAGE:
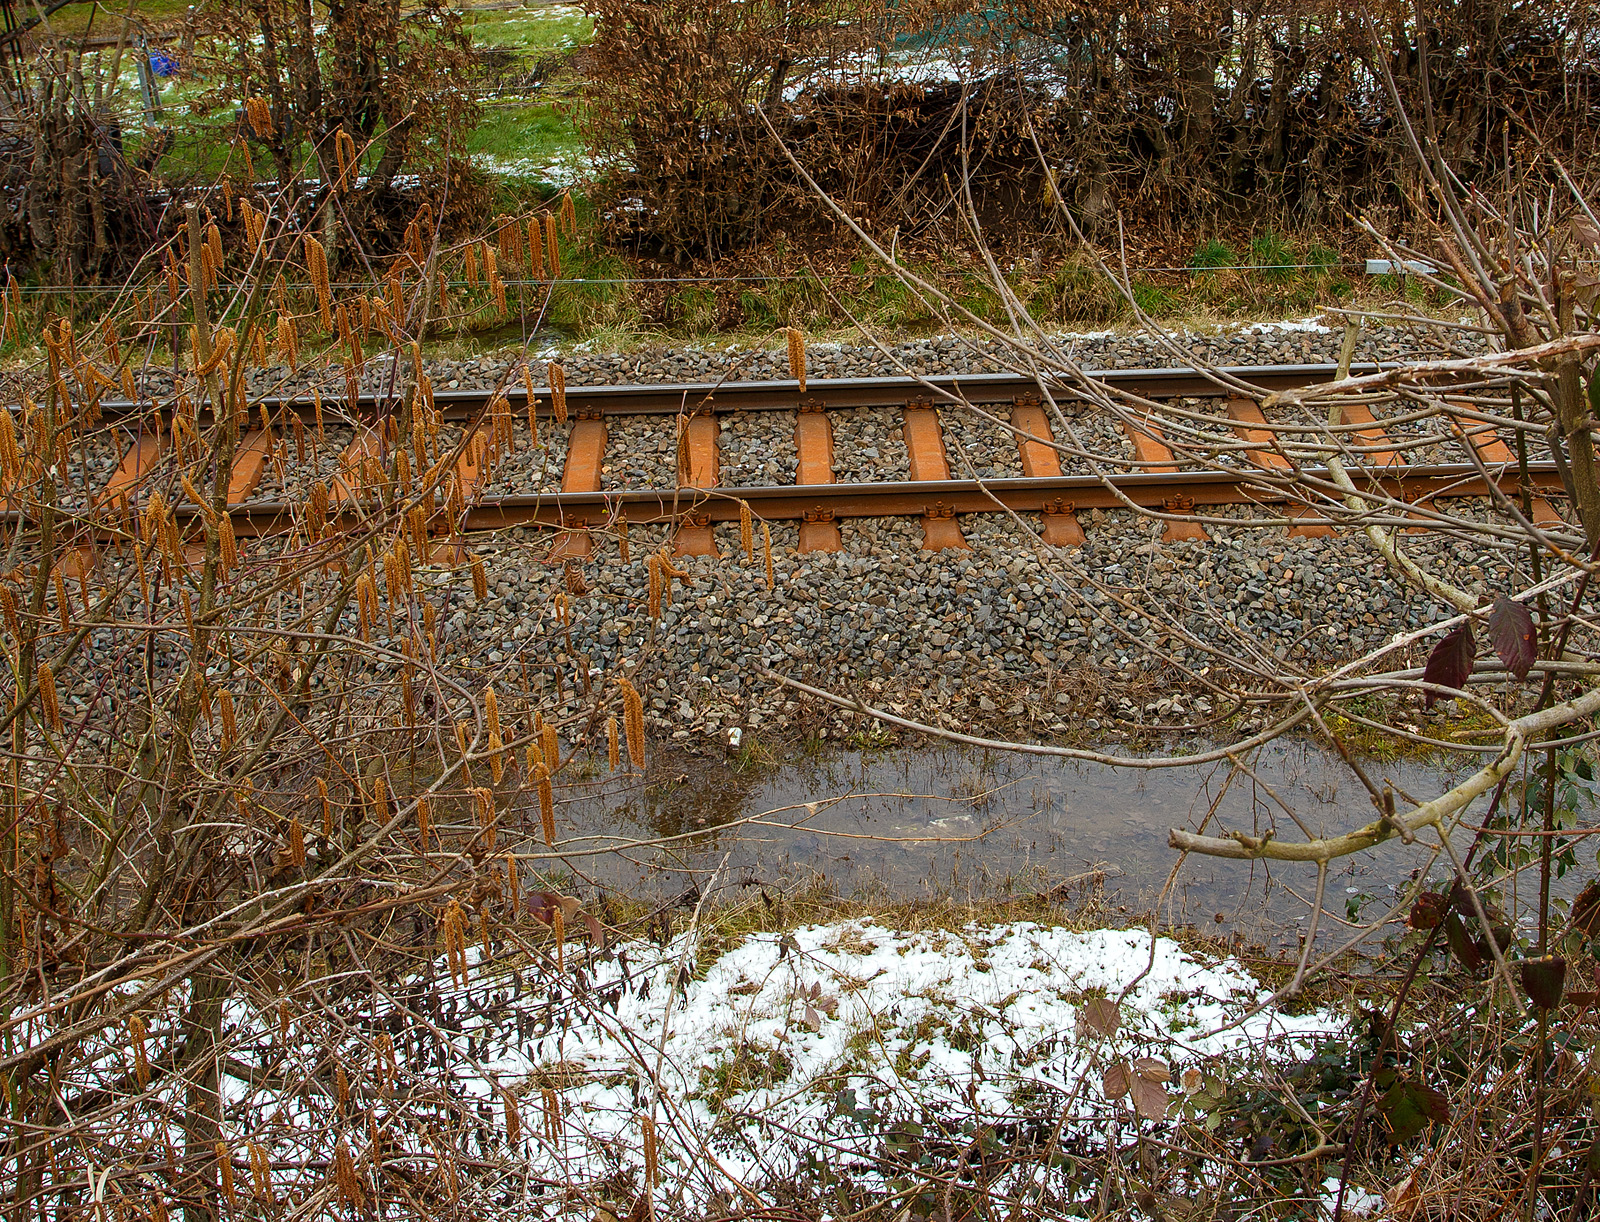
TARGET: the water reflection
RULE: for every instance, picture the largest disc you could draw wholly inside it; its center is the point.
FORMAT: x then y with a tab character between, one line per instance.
927	822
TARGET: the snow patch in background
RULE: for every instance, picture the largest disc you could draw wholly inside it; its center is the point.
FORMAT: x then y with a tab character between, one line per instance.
562	170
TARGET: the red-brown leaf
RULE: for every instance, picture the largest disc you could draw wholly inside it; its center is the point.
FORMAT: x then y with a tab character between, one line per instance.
1511	634
1150	1099
1429	911
1099	1016
1117	1080
1450	662
542	906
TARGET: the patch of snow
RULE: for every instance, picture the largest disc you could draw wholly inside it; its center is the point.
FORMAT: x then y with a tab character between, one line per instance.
1358	1202
757	1058
747	1062
1290	324
562	170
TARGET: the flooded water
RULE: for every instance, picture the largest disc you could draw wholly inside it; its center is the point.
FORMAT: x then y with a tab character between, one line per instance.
943	822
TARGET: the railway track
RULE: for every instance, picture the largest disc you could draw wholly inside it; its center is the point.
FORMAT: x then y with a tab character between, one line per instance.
574	476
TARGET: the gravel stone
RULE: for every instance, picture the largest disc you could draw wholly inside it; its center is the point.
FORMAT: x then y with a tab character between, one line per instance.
641	452
530	468
977	448
290	480
869	446
757	449
935	634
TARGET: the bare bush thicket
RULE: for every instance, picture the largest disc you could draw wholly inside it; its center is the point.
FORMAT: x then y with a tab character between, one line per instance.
330	107
350	102
239	762
1169	114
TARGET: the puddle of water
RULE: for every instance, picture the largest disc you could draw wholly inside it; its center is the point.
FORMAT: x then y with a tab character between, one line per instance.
930	822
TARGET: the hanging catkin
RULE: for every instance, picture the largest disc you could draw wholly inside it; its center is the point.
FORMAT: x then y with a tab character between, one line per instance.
259	111
225	1167
797	357
317	266
547	805
63	607
225	713
633	723
613	752
297	843
747	539
558	390
141	1063
535	249
260	1172
513	1121
48	698
552	252
453	927
344	1174
497	756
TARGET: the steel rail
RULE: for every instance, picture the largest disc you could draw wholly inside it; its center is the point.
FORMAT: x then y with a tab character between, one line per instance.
667	399
1168	489
795	502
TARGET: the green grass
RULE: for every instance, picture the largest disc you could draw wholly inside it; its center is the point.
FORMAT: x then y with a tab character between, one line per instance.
526	143
534	29
1153	299
1214	253
1269	250
76	20
531	143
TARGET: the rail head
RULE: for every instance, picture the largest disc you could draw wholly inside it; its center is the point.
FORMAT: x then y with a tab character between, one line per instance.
784	394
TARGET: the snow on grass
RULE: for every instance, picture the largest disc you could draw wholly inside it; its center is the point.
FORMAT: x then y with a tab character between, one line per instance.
825	1041
559	169
758	1058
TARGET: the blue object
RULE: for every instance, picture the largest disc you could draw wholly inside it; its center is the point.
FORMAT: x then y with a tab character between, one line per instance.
163	65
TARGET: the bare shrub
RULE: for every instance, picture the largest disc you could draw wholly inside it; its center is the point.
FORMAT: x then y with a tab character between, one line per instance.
1172	115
